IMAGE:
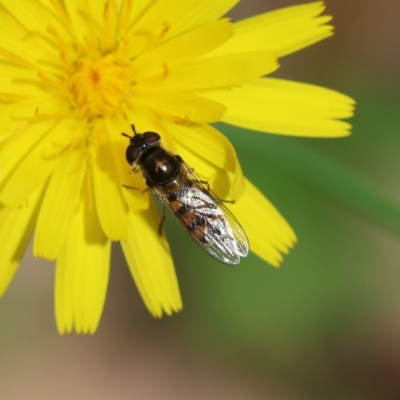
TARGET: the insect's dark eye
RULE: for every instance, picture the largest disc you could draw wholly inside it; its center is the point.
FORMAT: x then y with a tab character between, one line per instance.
151	137
132	153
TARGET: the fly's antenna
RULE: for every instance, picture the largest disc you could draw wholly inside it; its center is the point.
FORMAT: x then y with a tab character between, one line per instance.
126	135
134	132
133	129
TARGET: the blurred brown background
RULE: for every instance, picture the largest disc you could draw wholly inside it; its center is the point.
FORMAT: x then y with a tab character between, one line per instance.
324	326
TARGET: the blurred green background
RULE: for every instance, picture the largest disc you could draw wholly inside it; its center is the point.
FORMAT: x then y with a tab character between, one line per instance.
326	325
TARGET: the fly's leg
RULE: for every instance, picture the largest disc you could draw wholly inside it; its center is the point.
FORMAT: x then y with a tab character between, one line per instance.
163	216
226	201
130	187
135	188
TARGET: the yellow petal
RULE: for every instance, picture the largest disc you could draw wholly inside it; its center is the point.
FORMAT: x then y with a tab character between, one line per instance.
82	273
18	39
200	12
149	259
186	47
285	107
59	204
213	148
145	119
16	147
173	17
83	18
24	83
38	163
268	232
185	107
131	11
285	31
221	71
29	15
110	203
41	107
16	228
36	109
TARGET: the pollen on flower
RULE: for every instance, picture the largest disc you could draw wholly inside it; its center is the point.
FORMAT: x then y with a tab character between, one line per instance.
98	87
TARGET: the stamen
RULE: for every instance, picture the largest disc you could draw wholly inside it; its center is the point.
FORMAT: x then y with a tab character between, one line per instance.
125	14
109	27
166	70
96	135
10	98
123	47
182	121
98	87
62	15
63	149
65	47
91	22
57	152
160	37
16	60
40	117
52	82
91	48
67	64
155	78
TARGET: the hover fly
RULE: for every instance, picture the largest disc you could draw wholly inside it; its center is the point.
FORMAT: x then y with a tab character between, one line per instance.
197	209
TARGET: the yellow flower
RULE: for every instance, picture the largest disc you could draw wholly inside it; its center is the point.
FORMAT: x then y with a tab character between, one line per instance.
75	74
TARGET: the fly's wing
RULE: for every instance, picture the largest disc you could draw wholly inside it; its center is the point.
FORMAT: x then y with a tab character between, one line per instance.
206	219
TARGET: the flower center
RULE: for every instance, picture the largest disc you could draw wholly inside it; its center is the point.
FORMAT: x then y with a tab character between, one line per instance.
99	87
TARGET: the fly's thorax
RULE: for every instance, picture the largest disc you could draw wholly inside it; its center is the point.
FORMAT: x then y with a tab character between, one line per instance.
160	168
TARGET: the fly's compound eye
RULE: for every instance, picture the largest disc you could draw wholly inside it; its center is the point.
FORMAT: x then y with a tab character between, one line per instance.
140	143
151	137
132	153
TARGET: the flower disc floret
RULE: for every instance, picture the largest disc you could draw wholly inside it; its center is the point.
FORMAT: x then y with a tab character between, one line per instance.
98	87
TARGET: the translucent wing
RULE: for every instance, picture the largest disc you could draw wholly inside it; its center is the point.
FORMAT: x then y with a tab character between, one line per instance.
206	218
